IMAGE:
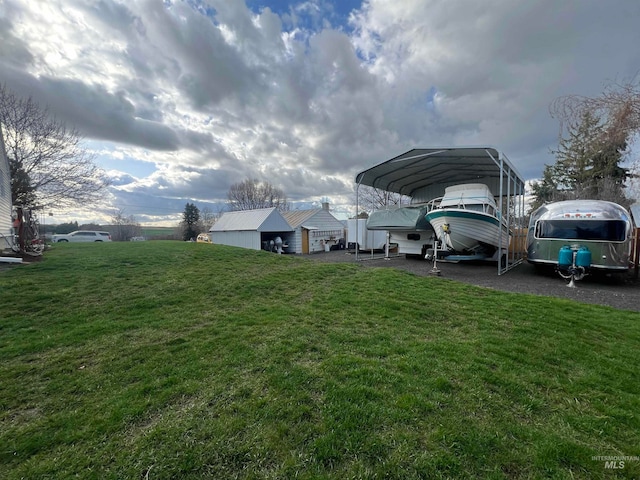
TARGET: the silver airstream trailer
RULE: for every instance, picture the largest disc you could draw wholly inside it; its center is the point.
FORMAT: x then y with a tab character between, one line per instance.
579	236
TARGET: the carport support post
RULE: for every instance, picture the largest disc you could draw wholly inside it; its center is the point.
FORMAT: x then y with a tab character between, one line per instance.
507	255
357	215
501	214
519	215
386	246
500	163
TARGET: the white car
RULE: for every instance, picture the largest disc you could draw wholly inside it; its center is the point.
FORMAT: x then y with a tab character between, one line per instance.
82	236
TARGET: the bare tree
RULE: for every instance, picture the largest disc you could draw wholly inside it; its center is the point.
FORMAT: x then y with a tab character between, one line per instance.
253	194
207	218
371	198
124	227
618	107
600	133
49	166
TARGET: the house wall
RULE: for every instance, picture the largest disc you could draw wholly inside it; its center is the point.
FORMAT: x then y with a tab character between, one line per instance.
243	239
5	198
328	229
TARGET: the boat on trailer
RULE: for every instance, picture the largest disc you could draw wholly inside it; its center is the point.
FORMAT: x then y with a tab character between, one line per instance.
407	227
467	222
580	236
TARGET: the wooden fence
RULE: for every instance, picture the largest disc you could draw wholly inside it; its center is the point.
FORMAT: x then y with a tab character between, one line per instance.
519	241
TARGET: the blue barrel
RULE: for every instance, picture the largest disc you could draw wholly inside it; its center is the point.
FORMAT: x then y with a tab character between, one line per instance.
583	257
565	256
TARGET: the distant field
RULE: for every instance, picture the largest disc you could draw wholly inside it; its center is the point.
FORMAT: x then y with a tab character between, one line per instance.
164	360
151	232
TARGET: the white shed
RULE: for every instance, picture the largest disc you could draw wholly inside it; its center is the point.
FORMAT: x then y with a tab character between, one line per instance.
5	198
313	230
250	228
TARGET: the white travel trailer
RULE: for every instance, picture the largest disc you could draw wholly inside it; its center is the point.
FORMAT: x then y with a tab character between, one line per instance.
358	235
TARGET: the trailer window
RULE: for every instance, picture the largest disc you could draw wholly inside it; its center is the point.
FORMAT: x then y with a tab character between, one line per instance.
608	230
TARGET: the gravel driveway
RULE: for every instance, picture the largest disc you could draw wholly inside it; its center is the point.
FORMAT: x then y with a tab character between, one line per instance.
619	293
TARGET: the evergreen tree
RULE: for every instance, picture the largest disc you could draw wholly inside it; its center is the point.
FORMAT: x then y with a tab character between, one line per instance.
575	155
22	190
547	189
587	164
190	219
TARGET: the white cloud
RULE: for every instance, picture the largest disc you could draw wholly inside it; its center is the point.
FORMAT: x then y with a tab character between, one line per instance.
211	93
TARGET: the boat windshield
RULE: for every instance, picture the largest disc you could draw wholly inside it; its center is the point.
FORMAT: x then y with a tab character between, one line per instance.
607	230
474	207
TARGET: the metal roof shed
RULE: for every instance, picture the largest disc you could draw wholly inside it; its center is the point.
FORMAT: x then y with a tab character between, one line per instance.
424	173
249	228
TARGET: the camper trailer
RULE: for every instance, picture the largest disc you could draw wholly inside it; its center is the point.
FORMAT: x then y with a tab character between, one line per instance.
579	236
407	227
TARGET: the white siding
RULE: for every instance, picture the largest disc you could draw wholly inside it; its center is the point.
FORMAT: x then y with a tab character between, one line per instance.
5	197
327	229
237	239
295	241
244	239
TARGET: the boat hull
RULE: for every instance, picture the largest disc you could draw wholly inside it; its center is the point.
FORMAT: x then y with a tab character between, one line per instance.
468	231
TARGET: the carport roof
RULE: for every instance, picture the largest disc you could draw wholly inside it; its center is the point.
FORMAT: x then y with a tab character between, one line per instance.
430	170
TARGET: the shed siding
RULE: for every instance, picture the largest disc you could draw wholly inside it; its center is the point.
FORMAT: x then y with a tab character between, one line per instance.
243	239
295	241
326	226
5	197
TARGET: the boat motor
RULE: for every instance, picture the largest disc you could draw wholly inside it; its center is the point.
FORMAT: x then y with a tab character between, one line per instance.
573	263
278	244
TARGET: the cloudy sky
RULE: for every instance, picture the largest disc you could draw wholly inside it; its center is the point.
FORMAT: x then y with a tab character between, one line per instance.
181	99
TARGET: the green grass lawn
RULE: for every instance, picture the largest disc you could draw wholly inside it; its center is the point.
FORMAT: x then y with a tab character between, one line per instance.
157	232
166	360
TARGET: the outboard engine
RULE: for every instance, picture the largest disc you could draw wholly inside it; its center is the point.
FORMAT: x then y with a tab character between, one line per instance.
573	263
278	245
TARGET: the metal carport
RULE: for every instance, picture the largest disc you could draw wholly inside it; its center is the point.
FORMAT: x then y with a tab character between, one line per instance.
424	173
